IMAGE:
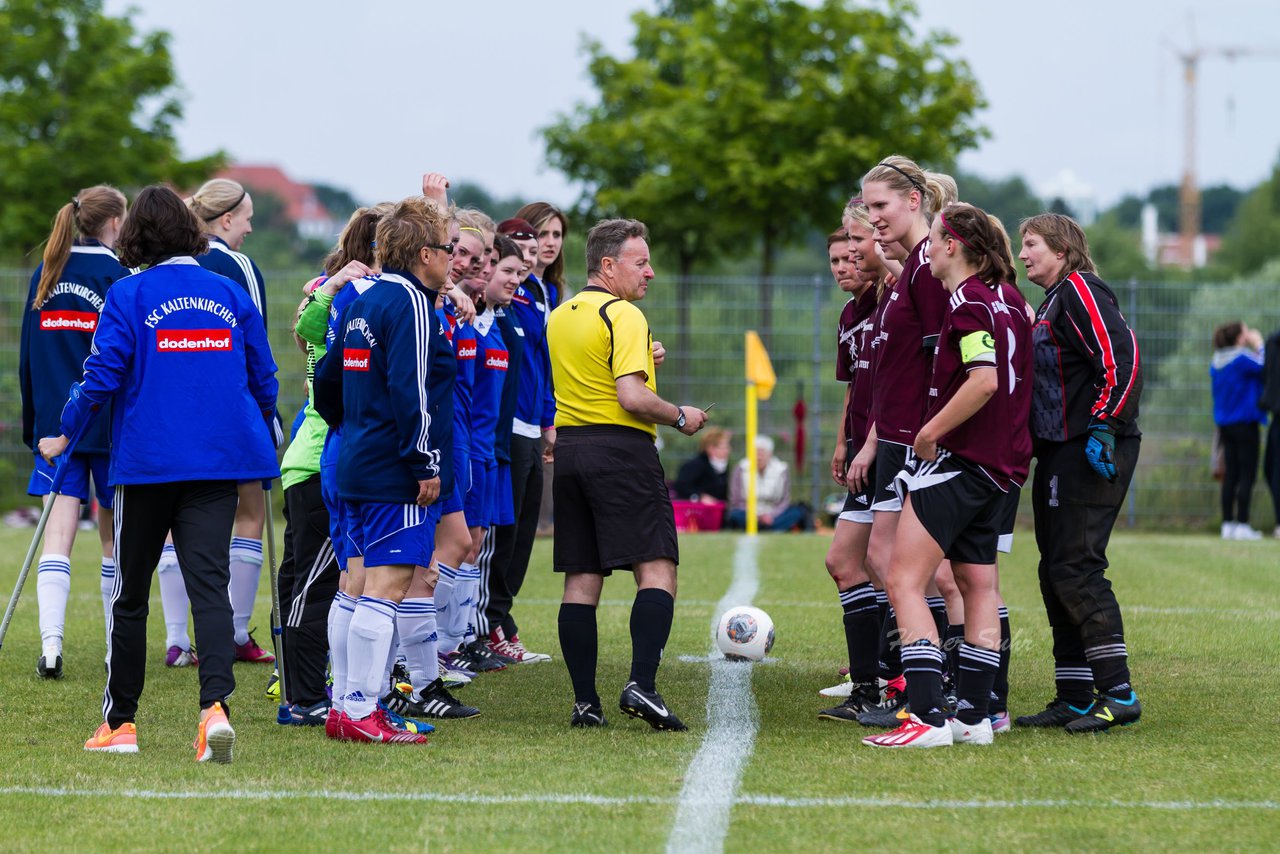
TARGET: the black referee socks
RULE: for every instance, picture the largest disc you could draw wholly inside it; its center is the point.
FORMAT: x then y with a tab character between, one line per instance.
579	644
651	616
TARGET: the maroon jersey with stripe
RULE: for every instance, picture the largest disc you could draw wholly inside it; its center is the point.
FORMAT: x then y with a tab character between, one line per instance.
908	322
1022	366
989	438
857	321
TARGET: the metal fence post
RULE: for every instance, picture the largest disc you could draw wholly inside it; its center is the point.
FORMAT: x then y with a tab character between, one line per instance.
816	413
1132	318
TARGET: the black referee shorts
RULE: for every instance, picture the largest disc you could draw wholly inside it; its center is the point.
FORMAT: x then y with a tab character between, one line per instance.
612	506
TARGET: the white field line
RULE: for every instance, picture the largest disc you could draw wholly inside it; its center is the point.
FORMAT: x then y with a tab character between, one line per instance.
574	799
711	781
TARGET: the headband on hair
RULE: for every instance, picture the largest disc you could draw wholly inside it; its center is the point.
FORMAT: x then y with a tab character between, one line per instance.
469	228
854	202
913	181
243	193
954	233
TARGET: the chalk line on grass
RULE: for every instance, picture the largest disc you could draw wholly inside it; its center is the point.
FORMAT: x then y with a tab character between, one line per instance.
587	799
711	781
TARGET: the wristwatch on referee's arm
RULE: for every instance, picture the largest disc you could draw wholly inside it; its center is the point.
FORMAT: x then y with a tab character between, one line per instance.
680	419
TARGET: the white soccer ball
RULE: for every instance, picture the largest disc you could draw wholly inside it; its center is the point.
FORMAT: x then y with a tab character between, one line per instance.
744	634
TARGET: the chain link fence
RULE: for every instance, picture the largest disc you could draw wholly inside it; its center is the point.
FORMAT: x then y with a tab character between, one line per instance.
701	321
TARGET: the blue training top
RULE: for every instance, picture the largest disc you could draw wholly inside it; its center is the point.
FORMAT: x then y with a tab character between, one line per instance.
1236	377
56	338
513	334
182	354
463	338
491	364
237	267
397	374
536	399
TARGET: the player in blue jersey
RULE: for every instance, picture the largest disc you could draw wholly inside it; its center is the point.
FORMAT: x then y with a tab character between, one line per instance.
63	307
226	209
182	356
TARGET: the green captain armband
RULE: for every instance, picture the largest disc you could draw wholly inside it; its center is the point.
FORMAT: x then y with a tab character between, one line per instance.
978	347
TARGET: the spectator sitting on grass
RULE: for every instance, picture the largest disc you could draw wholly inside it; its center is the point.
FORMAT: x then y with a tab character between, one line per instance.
773	493
704	477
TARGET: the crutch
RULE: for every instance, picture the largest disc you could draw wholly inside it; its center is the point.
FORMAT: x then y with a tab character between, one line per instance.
55	489
283	714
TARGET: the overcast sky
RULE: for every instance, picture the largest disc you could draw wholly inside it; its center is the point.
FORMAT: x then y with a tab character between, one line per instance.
315	87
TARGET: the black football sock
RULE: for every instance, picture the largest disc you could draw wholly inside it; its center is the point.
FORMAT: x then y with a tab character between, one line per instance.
1000	690
861	631
978	668
1109	661
651	616
890	647
579	644
938	610
951	649
1071	671
922	665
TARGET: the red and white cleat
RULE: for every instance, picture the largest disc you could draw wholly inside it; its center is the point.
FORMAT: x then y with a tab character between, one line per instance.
913	732
376	729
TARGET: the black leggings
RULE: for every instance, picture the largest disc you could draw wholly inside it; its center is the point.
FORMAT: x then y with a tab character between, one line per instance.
1240	455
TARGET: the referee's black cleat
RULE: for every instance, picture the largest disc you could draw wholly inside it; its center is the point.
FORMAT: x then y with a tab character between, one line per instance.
587	714
1058	713
45	670
649	707
1107	712
863	698
436	702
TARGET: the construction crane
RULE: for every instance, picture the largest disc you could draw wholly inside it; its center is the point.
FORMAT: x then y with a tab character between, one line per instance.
1189	193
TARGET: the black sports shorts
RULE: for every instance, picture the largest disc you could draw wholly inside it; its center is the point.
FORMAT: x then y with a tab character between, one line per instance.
961	508
612	506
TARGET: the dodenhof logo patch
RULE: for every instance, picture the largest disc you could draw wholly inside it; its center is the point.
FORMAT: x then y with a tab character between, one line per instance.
193	340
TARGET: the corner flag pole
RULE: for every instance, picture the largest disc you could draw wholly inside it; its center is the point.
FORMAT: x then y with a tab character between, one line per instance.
760	382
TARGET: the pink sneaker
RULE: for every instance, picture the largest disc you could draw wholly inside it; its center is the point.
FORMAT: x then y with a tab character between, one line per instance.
377	729
512	648
251	652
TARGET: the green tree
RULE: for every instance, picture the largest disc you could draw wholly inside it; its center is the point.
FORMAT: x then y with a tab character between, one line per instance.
1252	238
1116	250
746	123
84	99
1010	199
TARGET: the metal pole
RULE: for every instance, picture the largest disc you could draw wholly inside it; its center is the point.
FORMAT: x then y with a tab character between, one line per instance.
816	412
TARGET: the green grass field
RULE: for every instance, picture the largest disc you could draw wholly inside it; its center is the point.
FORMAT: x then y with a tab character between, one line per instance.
1201	771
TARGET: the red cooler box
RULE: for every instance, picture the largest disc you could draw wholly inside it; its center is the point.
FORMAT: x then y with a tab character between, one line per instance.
696	516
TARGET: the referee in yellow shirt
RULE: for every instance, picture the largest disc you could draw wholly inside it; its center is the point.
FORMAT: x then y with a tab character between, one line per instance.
612	507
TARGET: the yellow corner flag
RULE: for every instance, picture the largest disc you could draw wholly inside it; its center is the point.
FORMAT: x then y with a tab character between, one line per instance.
760	382
759	368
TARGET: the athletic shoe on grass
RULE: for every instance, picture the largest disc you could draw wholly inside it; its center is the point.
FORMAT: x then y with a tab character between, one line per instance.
1106	713
214	736
840	690
1000	722
1057	713
250	651
436	702
963	733
477	657
912	732
300	715
891	712
407	724
377	729
513	649
334	725
49	667
649	707
179	657
862	698
587	714
273	686
122	739
453	676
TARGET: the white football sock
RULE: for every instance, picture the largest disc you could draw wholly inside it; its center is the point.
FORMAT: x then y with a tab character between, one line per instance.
107	586
416	621
53	586
447	640
470	601
372	625
339	627
246	570
173	600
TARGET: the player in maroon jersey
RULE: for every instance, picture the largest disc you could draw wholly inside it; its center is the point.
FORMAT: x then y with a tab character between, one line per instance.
860	594
962	463
902	199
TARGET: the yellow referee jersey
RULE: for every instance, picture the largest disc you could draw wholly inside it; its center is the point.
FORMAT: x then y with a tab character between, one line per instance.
593	339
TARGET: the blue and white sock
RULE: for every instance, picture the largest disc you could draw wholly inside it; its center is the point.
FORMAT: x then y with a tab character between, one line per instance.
416	621
246	571
53	586
173	599
368	643
469	580
339	627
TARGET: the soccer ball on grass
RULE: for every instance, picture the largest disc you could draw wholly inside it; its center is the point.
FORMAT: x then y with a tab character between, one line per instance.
744	634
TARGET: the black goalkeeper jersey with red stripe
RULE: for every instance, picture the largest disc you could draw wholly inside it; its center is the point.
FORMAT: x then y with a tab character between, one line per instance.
1086	362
